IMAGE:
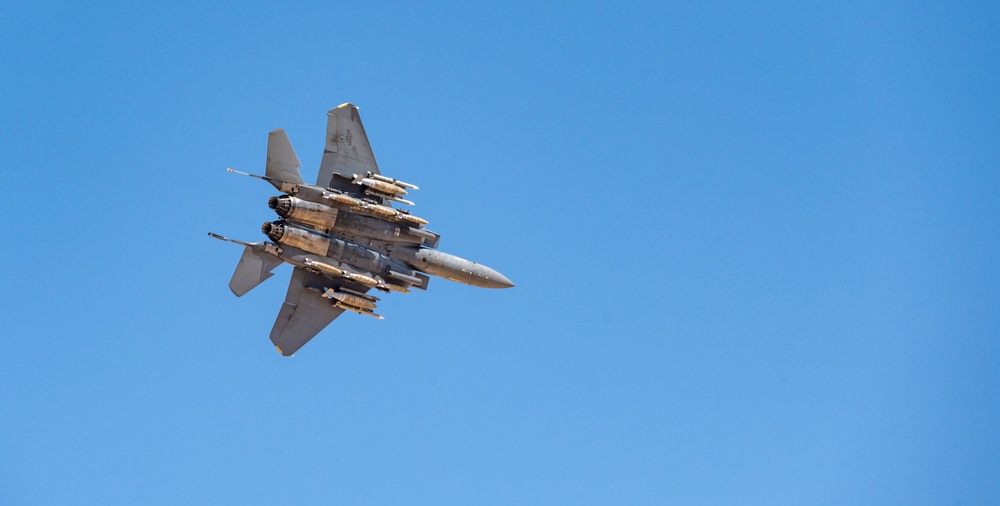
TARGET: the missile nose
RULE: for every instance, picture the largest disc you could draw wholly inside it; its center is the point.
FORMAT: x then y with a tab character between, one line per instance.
497	280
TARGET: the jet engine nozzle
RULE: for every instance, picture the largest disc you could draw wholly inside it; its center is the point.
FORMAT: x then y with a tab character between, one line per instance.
281	205
273	230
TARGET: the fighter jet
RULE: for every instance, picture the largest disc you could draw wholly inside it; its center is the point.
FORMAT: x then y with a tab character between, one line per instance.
342	236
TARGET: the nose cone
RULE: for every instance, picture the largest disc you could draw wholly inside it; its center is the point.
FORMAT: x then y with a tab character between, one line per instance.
496	280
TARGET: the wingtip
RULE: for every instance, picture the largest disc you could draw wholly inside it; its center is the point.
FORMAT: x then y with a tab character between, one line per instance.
344	106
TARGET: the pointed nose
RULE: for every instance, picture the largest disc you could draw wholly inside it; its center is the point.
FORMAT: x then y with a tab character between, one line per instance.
497	280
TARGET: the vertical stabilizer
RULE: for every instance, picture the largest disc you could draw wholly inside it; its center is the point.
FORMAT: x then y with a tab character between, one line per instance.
282	164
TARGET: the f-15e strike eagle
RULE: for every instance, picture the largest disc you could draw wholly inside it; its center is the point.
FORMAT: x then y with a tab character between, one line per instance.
342	236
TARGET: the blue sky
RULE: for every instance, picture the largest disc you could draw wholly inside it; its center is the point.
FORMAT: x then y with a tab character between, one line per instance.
755	249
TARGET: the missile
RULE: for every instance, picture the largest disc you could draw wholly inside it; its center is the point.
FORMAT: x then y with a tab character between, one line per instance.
349	299
334	272
378	211
389	287
390	180
382	189
324	268
374	210
353	301
366	312
393	198
363	295
342	199
361	279
411	280
362	207
412	219
380	186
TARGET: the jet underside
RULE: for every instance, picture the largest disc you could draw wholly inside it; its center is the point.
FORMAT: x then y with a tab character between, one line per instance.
342	236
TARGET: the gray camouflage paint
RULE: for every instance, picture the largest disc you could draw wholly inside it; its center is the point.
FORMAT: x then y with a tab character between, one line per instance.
342	236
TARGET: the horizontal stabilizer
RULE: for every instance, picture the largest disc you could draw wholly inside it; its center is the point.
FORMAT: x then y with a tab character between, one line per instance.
254	268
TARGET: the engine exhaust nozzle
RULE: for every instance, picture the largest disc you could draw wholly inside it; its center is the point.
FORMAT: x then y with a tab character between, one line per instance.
273	230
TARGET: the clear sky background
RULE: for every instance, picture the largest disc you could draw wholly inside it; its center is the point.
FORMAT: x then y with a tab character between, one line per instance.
755	246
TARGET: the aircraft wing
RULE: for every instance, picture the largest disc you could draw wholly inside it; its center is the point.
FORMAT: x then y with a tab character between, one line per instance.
304	313
347	150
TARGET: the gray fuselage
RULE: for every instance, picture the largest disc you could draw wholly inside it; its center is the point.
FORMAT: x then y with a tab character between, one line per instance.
401	257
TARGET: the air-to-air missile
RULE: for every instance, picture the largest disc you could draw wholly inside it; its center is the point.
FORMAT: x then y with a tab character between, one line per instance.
342	236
